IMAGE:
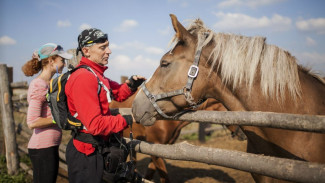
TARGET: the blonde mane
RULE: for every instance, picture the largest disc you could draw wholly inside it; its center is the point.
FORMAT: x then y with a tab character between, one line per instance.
242	59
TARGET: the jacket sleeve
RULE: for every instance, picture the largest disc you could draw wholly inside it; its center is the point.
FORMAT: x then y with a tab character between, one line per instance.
120	91
83	92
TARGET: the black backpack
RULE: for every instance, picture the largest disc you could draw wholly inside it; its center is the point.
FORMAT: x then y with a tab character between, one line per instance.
57	100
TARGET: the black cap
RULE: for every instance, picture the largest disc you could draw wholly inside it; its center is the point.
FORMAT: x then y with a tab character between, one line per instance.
89	37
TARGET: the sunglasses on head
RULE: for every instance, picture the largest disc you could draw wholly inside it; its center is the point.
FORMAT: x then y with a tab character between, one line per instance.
58	47
99	40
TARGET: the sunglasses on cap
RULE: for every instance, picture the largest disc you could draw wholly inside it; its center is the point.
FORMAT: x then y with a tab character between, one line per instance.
99	40
58	47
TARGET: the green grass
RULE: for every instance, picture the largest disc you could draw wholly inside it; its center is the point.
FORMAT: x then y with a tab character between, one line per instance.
21	177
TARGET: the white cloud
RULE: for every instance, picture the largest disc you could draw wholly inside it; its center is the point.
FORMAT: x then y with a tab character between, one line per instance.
138	64
165	31
154	50
248	3
310	41
315	25
63	23
126	25
313	60
314	57
6	40
237	21
114	46
84	26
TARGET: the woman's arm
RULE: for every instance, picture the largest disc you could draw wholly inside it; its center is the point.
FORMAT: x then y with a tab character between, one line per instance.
41	123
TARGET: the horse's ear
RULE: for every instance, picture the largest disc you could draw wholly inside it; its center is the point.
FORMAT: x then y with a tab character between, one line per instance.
181	32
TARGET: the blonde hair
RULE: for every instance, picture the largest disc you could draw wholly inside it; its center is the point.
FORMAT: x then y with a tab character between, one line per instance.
241	58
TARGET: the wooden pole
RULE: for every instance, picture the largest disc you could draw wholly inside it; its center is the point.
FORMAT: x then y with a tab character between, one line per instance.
309	123
280	168
8	122
123	79
202	133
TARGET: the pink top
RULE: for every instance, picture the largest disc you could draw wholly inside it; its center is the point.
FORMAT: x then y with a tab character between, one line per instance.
38	107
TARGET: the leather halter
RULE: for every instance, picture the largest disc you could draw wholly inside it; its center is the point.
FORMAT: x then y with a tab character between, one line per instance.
186	91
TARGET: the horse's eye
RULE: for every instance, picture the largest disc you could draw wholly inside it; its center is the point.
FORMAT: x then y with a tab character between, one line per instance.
164	63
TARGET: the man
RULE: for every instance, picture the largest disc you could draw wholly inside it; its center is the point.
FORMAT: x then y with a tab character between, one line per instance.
89	102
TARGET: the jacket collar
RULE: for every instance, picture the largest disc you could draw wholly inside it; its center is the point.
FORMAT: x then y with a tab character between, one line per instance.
99	68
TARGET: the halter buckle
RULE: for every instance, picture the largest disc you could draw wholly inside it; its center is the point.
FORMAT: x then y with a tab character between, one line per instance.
193	71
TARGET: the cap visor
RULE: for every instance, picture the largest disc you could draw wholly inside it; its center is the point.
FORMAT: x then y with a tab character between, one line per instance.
65	55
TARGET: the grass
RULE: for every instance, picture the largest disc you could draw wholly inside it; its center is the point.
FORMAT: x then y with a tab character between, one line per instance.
21	177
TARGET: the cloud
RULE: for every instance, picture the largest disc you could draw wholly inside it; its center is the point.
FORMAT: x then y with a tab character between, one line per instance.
237	21
6	40
65	23
313	60
137	65
126	25
314	57
310	41
154	50
249	3
114	46
165	31
84	26
312	25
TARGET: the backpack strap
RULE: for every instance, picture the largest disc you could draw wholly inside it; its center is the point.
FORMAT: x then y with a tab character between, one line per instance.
100	83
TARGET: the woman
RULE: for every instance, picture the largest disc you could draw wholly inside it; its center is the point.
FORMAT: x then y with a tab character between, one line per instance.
43	146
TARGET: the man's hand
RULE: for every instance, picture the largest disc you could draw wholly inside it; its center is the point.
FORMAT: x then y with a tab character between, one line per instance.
128	119
134	82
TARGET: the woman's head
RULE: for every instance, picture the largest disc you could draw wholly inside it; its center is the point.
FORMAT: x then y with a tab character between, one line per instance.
50	57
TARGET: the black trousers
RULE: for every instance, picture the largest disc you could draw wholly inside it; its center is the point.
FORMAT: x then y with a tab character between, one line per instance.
45	164
83	168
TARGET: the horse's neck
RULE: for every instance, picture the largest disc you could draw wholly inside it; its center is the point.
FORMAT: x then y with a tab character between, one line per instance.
311	101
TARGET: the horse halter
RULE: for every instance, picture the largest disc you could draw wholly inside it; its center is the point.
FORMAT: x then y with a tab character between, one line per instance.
186	91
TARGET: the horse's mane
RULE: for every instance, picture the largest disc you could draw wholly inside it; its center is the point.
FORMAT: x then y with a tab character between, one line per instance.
241	59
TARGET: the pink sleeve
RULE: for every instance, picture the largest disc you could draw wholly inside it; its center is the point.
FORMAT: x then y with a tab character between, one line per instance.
36	100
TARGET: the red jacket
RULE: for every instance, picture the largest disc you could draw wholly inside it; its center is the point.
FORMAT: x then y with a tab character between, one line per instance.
93	108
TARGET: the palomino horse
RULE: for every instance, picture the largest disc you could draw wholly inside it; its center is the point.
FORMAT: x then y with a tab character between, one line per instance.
166	132
244	74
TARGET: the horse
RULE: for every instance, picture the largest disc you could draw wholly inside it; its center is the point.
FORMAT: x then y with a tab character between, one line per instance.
244	74
166	132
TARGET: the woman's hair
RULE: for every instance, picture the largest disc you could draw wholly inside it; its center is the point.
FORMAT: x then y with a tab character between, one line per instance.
33	66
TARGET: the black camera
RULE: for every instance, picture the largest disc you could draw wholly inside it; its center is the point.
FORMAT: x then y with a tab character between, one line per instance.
126	173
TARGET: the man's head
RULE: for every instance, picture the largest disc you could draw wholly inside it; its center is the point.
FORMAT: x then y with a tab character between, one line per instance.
93	44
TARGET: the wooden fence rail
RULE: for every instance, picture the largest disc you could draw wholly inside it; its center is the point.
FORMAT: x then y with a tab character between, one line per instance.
286	169
309	123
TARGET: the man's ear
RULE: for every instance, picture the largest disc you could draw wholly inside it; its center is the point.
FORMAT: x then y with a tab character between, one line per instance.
85	51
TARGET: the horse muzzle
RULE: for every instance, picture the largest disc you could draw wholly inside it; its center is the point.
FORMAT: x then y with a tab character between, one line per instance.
143	111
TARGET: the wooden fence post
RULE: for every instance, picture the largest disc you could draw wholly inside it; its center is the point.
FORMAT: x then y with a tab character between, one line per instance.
202	134
123	79
8	122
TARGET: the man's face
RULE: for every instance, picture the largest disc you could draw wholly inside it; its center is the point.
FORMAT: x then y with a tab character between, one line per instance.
98	53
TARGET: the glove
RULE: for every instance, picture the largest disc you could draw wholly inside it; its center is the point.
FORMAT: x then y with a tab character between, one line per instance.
134	84
128	119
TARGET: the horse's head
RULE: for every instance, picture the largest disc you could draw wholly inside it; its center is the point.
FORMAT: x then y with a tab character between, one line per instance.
181	78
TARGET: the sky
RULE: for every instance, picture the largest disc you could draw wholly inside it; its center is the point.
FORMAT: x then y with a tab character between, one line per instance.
139	31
